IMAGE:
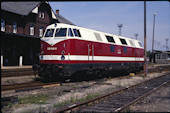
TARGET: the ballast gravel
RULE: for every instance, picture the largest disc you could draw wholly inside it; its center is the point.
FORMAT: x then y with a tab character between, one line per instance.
16	80
155	102
77	90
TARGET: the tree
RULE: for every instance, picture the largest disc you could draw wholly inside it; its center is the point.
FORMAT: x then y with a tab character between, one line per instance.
149	53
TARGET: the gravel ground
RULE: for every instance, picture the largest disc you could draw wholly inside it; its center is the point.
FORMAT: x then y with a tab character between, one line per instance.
16	80
64	93
156	102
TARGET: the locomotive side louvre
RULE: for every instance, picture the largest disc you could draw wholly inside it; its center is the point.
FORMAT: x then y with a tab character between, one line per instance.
83	49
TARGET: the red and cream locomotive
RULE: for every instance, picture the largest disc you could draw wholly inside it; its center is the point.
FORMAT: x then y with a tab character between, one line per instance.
67	49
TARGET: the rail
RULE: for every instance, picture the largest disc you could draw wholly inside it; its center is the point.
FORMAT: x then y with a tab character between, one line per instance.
129	94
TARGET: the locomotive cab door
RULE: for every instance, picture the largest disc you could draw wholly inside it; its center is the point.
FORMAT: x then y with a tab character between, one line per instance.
90	51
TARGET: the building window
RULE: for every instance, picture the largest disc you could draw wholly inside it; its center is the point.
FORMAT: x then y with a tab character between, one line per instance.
32	30
14	27
41	31
41	14
2	25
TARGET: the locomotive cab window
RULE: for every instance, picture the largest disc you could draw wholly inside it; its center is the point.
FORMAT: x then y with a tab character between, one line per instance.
49	33
70	33
140	44
123	41
110	39
76	33
61	32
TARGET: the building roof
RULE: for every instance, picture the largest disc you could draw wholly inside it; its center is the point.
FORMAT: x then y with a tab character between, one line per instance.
159	51
61	19
21	8
24	8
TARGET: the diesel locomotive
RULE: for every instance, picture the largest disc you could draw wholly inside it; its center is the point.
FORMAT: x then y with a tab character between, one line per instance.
68	49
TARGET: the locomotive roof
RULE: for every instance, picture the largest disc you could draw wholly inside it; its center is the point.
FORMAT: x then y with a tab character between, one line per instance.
61	25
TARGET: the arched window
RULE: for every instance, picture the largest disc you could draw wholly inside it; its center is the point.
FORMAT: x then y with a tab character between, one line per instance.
41	31
31	29
42	15
2	25
14	27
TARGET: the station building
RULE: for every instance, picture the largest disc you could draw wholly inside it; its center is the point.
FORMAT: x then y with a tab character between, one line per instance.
22	26
162	57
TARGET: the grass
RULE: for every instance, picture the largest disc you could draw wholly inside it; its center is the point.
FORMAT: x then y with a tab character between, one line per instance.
9	105
73	99
34	99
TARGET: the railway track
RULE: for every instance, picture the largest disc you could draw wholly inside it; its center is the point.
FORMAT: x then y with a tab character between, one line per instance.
39	84
16	72
120	100
26	86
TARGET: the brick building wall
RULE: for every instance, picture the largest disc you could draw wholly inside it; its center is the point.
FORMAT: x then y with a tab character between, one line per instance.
21	43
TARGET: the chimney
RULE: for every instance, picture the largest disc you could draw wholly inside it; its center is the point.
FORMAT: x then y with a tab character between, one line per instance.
57	12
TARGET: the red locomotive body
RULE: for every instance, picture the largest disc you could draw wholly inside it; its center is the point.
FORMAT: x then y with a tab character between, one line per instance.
67	49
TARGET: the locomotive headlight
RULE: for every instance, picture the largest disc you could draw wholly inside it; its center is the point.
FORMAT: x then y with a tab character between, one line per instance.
41	57
62	57
63	52
42	52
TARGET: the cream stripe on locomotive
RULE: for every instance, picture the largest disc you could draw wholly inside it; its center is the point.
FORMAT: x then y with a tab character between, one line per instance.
87	58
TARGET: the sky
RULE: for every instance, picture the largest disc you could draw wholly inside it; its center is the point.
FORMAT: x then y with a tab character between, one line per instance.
105	15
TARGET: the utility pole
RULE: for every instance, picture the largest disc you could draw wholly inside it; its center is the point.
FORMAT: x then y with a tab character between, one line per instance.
153	38
136	35
145	53
167	48
119	25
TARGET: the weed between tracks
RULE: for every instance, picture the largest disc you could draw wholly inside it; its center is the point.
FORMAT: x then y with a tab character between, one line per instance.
34	99
75	99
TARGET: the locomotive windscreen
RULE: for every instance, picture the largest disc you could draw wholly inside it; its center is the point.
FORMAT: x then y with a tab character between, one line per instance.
61	32
49	33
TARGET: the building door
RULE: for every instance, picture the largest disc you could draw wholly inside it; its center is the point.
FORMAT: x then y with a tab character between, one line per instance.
90	52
